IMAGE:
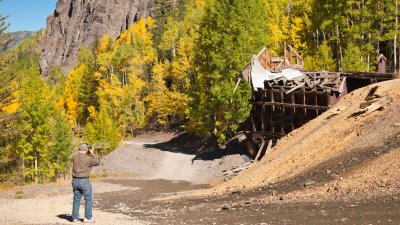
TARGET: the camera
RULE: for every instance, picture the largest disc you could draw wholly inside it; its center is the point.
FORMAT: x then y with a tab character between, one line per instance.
89	149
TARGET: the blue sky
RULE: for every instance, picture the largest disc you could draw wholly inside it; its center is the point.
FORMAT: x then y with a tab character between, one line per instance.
27	15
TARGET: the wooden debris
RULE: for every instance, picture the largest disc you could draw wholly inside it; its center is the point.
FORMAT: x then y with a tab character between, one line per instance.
296	87
375	106
365	104
269	147
371	104
259	151
236	171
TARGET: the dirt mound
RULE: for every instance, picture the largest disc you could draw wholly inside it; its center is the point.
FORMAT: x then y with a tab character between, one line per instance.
339	153
158	156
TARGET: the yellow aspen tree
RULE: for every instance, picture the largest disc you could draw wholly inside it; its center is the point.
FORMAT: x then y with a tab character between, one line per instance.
295	38
72	95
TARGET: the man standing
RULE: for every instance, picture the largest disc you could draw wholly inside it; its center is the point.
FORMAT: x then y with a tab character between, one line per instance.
83	163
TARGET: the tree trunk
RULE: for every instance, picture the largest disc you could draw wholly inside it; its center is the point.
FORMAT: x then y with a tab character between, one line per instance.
340	48
369	56
36	166
23	169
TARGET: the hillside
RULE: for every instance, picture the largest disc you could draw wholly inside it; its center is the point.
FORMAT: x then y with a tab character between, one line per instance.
18	37
336	155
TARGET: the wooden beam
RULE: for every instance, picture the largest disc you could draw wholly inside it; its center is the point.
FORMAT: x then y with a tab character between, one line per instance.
259	151
291	105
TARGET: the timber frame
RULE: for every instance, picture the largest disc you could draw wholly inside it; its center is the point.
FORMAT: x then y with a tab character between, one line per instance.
283	105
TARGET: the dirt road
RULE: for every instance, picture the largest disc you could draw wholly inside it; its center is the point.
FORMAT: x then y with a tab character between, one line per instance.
146	157
130	201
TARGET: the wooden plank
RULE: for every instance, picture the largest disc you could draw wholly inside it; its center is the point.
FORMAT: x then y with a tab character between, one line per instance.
365	104
282	112
259	151
375	106
367	76
292	105
269	147
272	111
296	87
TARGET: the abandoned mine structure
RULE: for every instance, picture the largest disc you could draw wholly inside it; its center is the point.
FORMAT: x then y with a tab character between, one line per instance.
285	96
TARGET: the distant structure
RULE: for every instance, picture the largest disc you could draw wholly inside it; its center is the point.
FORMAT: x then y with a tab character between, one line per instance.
380	65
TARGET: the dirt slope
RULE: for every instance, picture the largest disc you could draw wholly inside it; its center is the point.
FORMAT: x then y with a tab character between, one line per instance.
151	156
335	155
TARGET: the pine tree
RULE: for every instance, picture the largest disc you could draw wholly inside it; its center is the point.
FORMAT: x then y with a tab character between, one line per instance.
226	42
353	60
5	37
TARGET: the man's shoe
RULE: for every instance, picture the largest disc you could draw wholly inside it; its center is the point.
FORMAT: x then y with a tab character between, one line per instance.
74	221
88	221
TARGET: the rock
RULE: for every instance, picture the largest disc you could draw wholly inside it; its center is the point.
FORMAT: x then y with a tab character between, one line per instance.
343	219
236	192
81	22
225	207
396	124
308	183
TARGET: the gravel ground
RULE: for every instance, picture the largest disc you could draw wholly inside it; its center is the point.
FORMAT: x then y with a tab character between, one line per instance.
151	156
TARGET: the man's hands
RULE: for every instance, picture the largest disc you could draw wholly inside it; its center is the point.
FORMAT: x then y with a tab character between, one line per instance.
91	150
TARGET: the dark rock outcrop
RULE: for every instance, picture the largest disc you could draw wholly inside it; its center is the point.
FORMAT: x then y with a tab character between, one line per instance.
80	22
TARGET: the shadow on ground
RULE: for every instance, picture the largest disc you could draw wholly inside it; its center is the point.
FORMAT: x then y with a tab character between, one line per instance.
203	149
65	217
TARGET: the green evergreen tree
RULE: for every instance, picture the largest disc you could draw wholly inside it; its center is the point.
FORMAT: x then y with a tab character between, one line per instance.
101	132
230	33
353	60
60	149
88	86
324	58
5	37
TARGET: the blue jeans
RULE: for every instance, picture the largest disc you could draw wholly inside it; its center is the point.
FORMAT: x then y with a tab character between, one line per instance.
82	187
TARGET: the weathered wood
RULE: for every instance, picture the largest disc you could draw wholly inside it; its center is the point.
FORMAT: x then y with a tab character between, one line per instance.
291	105
295	88
269	147
259	151
367	76
375	106
365	104
237	170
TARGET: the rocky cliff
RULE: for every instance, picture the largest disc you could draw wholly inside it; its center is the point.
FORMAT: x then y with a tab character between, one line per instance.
80	22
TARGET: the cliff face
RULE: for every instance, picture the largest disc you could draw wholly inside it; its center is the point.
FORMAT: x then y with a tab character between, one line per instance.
80	22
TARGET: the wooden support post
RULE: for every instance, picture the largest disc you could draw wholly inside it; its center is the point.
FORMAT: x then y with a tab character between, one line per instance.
293	110
316	103
304	103
253	126
272	111
282	112
269	146
262	111
259	150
